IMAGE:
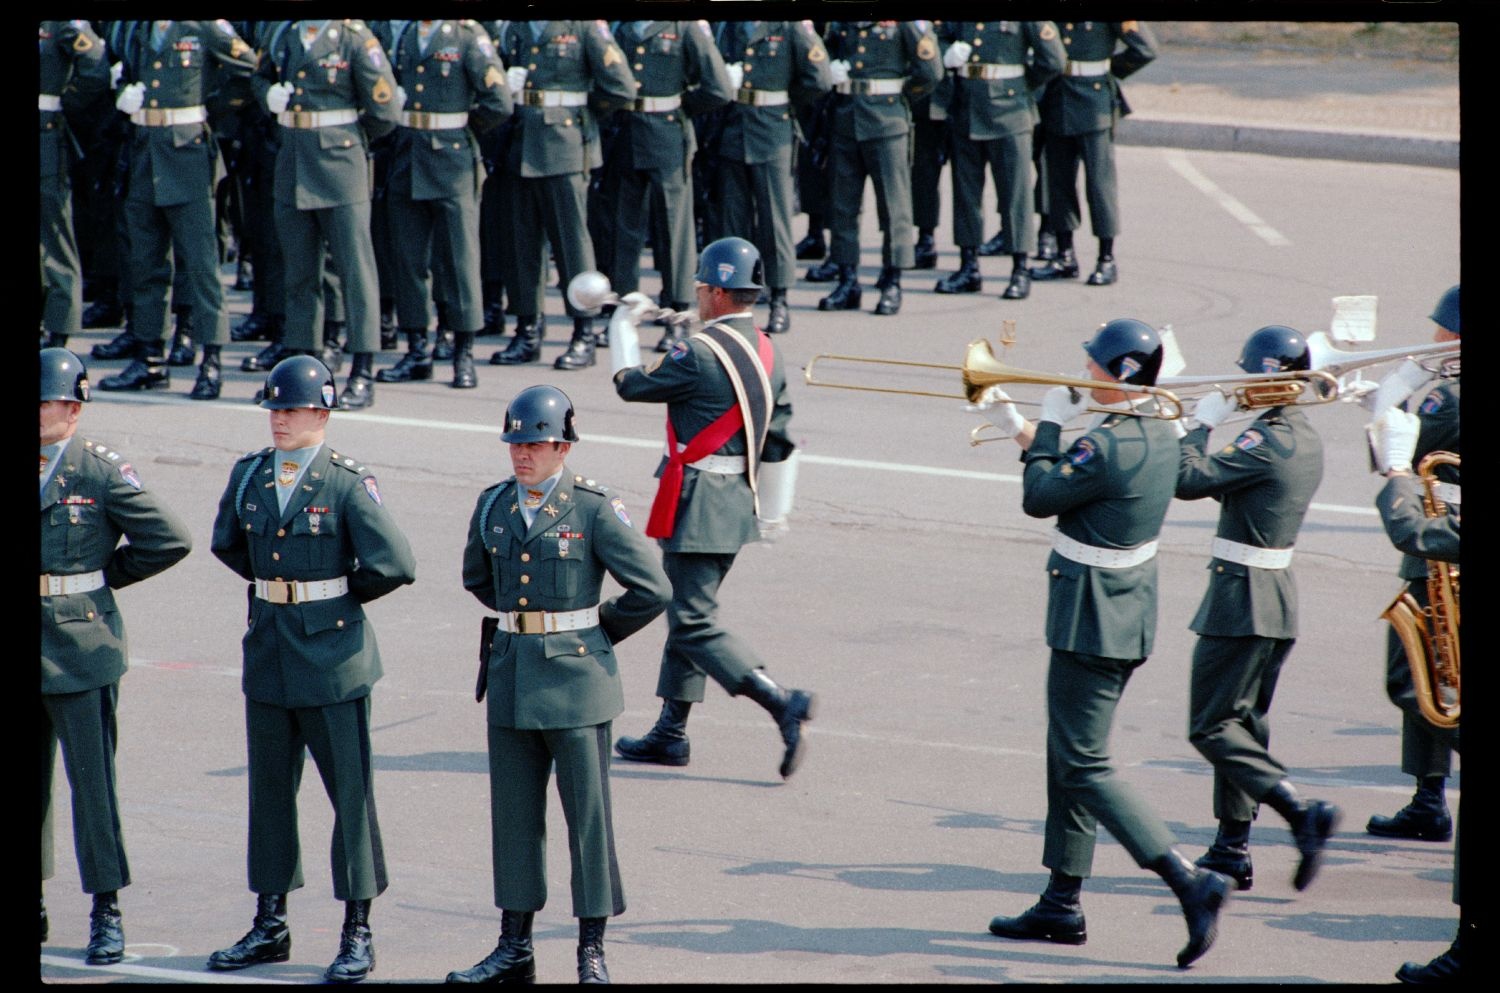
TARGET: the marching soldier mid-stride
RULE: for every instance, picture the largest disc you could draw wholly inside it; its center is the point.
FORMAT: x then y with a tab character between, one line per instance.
307	528
90	499
539	546
1109	492
1247	623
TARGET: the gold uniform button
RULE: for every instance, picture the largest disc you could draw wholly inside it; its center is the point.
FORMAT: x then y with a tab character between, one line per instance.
1057	572
1068	26
155	83
1097	86
860	48
978	42
417	105
276	556
156	65
1218	568
525	556
297	107
859	65
421	68
582	650
155	102
419	87
339	623
749	51
1067	40
568	122
533	66
979	26
91	616
301	73
299	90
281	532
525	580
247	527
639	67
534	50
522	601
493	549
640	49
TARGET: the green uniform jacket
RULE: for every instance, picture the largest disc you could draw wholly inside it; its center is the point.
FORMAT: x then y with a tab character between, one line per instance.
569	679
322	652
176	164
716	510
882	50
1439	433
73	66
346	68
1083	104
783	56
574	56
1264	481
674	57
982	109
93	498
1422	538
460	72
1110	489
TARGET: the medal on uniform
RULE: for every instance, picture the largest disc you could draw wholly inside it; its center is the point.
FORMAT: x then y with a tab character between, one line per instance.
333	75
562	547
313	520
445	68
288	473
73	514
534	498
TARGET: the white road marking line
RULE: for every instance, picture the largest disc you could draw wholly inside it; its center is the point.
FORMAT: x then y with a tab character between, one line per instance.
1179	163
156	972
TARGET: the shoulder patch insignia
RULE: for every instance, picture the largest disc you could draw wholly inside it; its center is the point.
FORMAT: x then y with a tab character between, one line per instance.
619	508
1250	439
128	474
372	489
1048	32
1432	403
1082	451
679	351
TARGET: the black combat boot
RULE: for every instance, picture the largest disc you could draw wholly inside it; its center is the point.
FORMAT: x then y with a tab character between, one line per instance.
1105	273
147	372
1202	893
926	257
1046	244
445	343
526	346
967	278
812	245
591	950
494	310
890	292
121	346
1311	822
1229	855
255	327
1056	917
388	331
845	296
106	932
359	390
1019	287
464	377
103	313
789	708
1445	970
266	359
356	957
244	274
268	940
332	354
580	353
512	961
182	352
667	741
998	245
781	319
416	364
824	272
1425	818
1065	266
208	383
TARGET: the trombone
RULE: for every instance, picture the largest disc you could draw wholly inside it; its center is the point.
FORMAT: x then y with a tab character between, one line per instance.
1439	359
1255	391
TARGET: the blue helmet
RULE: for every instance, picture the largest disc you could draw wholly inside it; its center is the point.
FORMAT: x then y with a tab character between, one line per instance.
539	413
1275	348
1129	349
63	376
1445	314
731	264
300	381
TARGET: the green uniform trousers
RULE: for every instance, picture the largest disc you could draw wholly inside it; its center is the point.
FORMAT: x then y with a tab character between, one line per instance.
667	197
496	240
154	233
1097	152
696	644
887	161
1425	750
554	205
754	201
928	139
1082	788
1009	159
338	735
1232	685
446	233
85	724
520	764
62	312
346	232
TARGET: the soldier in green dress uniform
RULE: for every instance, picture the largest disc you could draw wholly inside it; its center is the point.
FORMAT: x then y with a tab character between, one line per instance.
91	497
307	528
1109	491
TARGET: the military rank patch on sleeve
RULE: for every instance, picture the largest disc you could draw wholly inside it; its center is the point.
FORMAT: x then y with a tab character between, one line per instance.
1082	451
372	489
1250	439
619	508
1432	403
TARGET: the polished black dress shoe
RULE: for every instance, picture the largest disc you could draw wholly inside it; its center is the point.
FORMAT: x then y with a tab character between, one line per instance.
103	314
965	280
512	961
139	375
1443	970
812	246
1416	823
824	272
1046	247
926	253
208	383
255	327
1065	266
268	939
890	300
846	295
998	245
1105	273
106	934
1019	287
121	346
526	345
1234	863
1318	823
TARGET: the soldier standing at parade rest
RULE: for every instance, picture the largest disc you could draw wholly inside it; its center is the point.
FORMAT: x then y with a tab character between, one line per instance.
452	86
1079	111
876	67
169	200
90	498
563	74
773	66
72	64
1264	481
727	482
330	86
1109	491
539	546
930	150
307	528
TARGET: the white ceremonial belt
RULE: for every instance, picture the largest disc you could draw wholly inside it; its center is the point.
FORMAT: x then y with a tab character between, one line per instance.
762	98
1102	558
728	465
424	120
1260	558
80	582
871	87
1449	493
317	118
277	591
657	105
48	101
554	98
167	116
1099	67
549	622
991	70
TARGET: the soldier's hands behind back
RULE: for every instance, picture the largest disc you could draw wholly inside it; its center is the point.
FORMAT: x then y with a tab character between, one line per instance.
736	72
838	71
515	78
131	98
278	96
957	54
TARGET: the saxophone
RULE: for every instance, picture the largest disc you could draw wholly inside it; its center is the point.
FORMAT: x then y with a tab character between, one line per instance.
1429	634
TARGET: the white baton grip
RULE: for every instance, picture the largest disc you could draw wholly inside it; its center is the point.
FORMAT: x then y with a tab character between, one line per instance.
624	341
776	485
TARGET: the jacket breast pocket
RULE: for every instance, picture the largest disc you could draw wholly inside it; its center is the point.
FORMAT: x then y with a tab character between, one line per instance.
316	539
562	575
81	522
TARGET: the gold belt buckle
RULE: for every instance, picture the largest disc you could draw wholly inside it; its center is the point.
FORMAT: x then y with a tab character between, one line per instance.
46	585
302	118
421	119
280	592
534	98
531	622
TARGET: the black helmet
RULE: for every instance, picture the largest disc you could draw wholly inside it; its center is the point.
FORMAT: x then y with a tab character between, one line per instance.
1275	348
63	376
300	381
1129	349
731	264
1445	314
539	413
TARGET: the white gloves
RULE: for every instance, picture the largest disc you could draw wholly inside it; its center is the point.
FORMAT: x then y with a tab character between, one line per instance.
131	98
278	96
638	304
736	72
838	71
1213	409
771	530
957	54
1399	384
116	71
400	98
995	406
624	338
1063	403
1393	439
515	78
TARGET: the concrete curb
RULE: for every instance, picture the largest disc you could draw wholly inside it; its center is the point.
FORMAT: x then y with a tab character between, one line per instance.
1352	146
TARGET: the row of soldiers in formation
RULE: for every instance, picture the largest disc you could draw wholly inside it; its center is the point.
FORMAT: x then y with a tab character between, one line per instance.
382	174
